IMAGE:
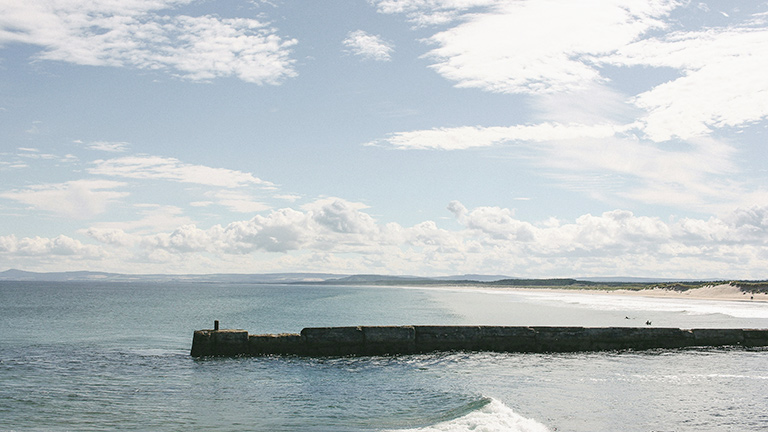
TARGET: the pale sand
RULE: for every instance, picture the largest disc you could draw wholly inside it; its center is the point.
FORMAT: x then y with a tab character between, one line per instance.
710	292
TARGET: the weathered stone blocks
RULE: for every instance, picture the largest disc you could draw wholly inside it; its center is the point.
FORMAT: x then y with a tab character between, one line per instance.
219	343
381	340
718	337
333	340
389	340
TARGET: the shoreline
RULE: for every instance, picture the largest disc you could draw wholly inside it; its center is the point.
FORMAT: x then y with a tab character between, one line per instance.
723	292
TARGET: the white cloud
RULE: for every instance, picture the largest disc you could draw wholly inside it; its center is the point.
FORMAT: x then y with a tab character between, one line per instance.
288	197
547	48
143	35
697	176
335	235
584	127
80	199
57	246
155	167
152	218
368	46
722	82
430	12
460	138
33	153
240	202
541	46
108	146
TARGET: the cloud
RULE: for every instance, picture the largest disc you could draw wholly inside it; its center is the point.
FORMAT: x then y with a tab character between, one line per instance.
558	48
722	83
334	235
659	145
33	153
145	35
240	202
288	197
171	169
39	246
79	199
152	218
430	12
368	46
107	146
543	46
697	176
465	137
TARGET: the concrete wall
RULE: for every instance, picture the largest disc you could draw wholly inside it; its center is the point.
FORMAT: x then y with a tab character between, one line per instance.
380	340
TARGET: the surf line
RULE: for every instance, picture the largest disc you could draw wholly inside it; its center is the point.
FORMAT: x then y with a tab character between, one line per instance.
392	340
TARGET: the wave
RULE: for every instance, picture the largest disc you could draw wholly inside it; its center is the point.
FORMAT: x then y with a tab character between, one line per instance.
482	415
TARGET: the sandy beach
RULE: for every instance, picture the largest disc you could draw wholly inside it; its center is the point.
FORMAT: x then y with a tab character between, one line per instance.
710	292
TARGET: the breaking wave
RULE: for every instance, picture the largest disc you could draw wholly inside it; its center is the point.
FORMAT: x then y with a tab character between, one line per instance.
482	415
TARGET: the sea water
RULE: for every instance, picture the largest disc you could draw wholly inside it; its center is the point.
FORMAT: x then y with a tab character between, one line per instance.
115	356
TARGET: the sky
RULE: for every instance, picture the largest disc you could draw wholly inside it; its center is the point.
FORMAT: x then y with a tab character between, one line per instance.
527	138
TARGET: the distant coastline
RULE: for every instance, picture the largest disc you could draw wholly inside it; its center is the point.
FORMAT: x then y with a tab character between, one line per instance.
650	287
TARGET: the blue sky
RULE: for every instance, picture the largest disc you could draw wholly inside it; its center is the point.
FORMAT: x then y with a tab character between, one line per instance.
536	138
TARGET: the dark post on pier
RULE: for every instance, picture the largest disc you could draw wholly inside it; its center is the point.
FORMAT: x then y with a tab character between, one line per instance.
392	340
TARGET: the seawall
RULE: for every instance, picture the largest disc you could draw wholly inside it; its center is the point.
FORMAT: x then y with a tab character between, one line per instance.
382	340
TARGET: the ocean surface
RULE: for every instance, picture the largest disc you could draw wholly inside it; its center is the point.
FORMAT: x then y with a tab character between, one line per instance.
115	356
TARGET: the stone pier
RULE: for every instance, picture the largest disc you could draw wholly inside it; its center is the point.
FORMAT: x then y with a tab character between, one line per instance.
390	340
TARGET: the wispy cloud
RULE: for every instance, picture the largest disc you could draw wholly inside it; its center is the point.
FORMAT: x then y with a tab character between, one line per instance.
722	83
430	12
554	53
535	47
171	169
137	34
79	199
368	46
108	146
460	138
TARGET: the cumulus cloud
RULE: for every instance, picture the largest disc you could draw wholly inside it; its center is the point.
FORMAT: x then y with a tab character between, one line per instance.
80	199
338	235
368	46
39	246
172	169
134	33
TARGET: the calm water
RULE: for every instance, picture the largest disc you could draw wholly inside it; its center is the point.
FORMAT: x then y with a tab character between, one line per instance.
115	357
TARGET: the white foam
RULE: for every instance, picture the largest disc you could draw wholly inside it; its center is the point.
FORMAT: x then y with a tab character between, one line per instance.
492	417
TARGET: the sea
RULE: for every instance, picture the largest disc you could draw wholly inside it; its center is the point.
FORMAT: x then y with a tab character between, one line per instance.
111	356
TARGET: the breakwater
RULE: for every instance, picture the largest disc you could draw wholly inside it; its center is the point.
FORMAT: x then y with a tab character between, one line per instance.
382	340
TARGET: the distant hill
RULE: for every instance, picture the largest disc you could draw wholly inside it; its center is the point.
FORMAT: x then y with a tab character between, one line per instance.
371	279
641	279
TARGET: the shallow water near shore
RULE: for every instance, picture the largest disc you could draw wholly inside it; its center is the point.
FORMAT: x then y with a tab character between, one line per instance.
116	357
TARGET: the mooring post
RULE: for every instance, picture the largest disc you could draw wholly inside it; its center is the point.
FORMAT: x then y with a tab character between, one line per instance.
216	325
